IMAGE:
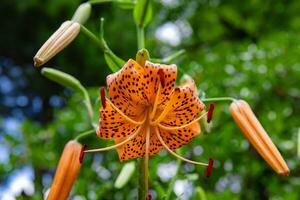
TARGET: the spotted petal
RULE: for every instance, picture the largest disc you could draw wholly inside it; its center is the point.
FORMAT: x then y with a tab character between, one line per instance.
152	80
177	138
185	105
113	125
126	89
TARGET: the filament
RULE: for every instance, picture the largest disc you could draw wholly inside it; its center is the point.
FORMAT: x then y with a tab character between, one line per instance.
130	137
125	116
152	114
165	111
175	154
147	158
171	128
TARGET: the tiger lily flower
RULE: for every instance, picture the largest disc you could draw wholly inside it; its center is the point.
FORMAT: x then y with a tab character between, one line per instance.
258	137
145	112
67	170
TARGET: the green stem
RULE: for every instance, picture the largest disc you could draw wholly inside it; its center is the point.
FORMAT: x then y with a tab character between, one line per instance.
141	179
218	99
140	37
93	37
93	2
170	58
85	135
88	104
173	180
101	43
141	162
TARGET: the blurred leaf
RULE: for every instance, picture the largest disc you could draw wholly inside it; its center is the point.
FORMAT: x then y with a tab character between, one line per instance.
143	12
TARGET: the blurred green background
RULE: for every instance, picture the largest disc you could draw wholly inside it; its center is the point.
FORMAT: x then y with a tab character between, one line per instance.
248	50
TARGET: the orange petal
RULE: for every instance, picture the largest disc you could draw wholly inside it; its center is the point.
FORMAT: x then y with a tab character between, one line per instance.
135	148
126	88
152	80
254	132
113	125
66	172
177	138
186	105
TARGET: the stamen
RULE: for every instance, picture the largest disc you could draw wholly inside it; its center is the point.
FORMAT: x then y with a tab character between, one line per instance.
81	156
157	97
209	167
171	128
130	137
125	116
162	77
210	111
152	114
175	154
147	158
103	98
167	108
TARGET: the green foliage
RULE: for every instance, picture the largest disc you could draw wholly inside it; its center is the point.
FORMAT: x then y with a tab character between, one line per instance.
143	13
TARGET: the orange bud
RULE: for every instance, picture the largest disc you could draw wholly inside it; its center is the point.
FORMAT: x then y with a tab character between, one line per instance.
256	134
66	172
64	35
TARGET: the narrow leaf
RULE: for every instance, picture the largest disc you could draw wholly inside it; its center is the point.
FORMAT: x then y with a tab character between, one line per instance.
125	175
143	12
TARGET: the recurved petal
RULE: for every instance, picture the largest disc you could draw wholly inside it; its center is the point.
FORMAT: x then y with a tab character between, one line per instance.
66	172
113	125
255	133
177	138
185	105
135	148
126	88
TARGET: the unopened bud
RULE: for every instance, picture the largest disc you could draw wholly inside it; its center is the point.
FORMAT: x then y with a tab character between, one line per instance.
82	13
142	56
66	172
64	35
257	136
62	78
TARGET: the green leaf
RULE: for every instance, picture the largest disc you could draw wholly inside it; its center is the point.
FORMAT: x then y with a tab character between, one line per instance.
111	62
143	13
125	4
125	175
200	193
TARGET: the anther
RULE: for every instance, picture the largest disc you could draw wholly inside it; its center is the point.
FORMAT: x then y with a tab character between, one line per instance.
161	77
149	197
102	96
81	156
177	89
210	112
209	167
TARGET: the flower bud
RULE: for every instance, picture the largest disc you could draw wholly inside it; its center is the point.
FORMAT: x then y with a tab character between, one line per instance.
66	33
62	78
82	13
66	172
142	56
257	136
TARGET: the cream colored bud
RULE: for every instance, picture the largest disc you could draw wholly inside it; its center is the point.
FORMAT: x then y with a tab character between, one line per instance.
66	33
